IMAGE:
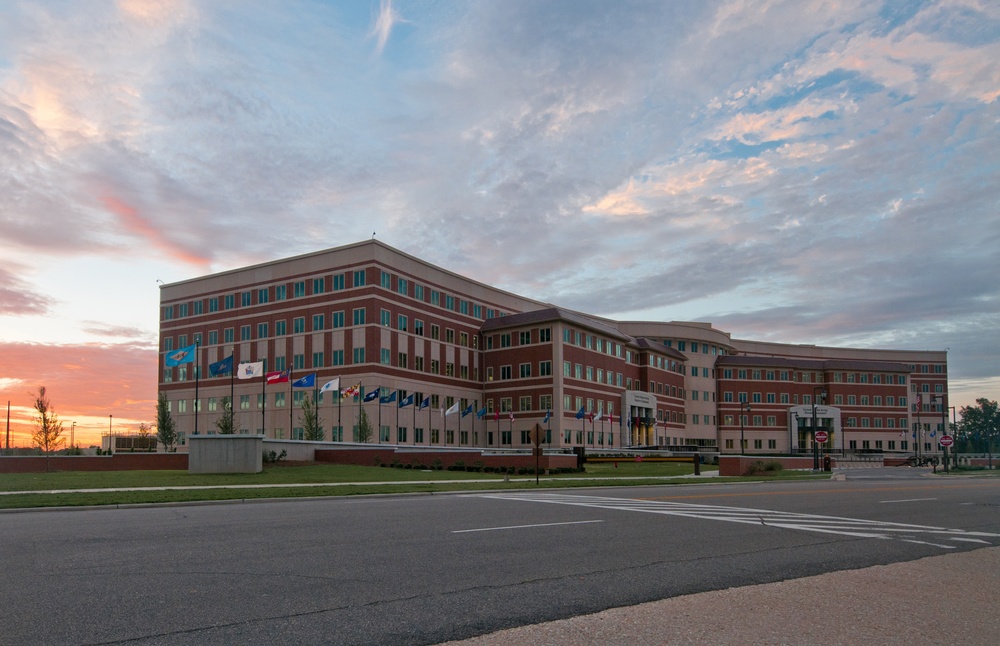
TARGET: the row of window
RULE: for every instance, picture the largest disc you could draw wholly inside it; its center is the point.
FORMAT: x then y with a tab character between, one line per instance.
321	285
749	421
807	400
319	323
682	346
758	374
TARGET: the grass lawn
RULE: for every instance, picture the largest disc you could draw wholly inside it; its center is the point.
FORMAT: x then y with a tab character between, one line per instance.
626	473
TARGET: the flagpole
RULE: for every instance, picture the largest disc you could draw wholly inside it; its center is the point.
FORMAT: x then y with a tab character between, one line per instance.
397	415
197	379
232	389
291	403
378	402
263	405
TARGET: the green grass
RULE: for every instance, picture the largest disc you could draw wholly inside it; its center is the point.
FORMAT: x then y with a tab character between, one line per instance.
647	474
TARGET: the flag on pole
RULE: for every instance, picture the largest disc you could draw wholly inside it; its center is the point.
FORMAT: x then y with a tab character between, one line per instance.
309	381
597	416
481	412
250	370
590	417
406	401
496	415
580	413
548	416
452	410
391	397
373	395
279	377
512	416
181	355
221	367
350	391
467	410
424	404
918	397
333	384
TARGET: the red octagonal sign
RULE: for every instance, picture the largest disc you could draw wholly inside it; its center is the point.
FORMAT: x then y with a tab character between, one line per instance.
946	440
821	437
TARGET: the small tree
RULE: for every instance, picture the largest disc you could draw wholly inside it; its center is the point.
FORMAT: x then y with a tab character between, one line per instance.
364	428
225	424
312	425
48	428
166	430
980	426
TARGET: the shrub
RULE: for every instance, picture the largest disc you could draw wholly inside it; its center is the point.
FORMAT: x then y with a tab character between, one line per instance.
760	466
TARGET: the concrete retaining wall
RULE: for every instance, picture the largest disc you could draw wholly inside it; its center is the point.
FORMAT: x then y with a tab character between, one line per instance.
225	454
370	455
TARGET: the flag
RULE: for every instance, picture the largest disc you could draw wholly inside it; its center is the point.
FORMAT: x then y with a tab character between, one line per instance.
221	367
580	413
309	381
333	384
373	395
350	391
406	401
918	396
391	397
250	370
452	410
512	416
590	417
424	404
181	355
496	415
597	417
548	416
279	377
467	410
481	412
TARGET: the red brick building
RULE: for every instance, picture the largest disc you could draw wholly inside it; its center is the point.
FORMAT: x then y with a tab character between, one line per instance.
379	319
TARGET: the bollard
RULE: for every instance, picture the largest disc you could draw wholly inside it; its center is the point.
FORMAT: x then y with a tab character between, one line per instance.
697	464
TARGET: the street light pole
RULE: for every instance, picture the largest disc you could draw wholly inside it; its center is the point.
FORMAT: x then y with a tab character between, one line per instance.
944	427
742	405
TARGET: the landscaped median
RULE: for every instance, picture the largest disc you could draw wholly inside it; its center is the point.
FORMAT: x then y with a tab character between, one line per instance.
72	489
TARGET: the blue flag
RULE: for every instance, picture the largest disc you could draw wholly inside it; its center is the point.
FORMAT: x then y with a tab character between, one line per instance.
424	404
467	410
391	397
221	367
548	416
406	401
481	412
309	381
580	413
373	395
182	355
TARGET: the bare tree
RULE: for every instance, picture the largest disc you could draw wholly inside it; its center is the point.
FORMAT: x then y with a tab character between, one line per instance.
48	428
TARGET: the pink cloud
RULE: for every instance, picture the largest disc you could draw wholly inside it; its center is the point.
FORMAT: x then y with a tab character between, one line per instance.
135	223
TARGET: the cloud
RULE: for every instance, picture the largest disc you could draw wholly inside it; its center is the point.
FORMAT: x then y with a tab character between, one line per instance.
387	18
17	298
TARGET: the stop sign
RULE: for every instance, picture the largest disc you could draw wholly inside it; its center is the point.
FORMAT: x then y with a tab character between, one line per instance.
821	437
946	440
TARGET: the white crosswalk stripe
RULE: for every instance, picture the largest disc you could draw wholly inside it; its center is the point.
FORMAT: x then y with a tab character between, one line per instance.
921	534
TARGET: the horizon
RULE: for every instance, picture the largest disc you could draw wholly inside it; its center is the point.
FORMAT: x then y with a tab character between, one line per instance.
792	172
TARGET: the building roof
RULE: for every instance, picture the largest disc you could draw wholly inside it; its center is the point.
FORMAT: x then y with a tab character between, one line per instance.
550	315
646	344
811	364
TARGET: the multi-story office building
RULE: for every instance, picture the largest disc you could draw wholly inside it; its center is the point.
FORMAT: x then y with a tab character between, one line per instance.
378	318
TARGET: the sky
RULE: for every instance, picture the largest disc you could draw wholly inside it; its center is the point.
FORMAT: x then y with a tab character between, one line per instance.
800	171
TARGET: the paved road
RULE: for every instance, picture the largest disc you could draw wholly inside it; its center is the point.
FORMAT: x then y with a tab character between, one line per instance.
427	569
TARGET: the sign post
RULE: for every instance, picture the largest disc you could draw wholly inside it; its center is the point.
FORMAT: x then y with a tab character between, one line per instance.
822	437
945	442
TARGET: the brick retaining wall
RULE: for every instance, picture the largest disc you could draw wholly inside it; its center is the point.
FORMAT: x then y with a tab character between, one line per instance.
366	457
116	462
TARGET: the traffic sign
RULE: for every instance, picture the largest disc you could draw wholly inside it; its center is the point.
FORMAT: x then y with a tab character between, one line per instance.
946	440
821	437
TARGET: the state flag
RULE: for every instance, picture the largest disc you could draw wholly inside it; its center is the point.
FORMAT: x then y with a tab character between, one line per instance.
309	381
181	355
279	377
250	370
373	395
406	401
452	410
221	367
333	384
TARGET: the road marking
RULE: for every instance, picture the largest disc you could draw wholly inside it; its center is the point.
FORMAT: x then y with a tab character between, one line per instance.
853	527
494	529
882	502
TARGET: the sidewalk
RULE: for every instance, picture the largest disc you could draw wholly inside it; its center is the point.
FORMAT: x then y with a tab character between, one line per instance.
949	599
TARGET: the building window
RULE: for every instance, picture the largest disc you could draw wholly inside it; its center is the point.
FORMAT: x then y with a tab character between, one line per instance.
280	292
319	322
337	358
525	370
319	285
338	282
359	355
359	278
244	333
545	368
337	319
386	280
505	372
318	360
359	317
280	328
401	322
246	299
262	330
